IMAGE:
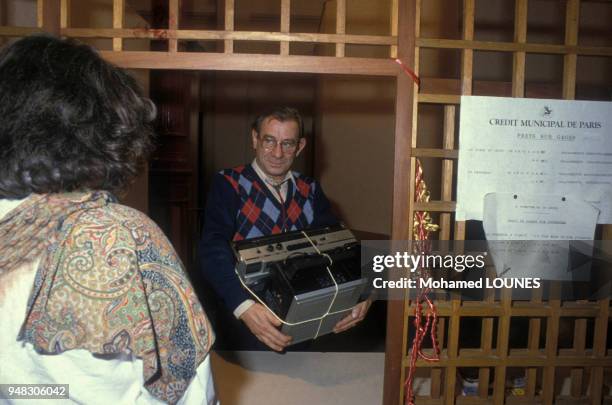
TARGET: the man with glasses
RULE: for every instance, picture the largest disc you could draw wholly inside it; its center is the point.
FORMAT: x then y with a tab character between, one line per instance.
258	199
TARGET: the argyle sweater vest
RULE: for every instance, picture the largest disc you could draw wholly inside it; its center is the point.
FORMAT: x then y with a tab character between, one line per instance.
261	213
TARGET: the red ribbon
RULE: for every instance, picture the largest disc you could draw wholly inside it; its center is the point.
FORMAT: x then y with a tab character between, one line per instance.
409	72
431	323
422	246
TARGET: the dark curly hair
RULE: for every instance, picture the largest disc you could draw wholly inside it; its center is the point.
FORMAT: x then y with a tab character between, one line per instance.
281	114
68	120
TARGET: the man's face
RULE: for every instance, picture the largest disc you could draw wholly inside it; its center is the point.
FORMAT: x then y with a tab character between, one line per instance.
276	146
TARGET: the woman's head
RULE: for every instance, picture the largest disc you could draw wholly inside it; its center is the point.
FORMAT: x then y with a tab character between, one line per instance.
68	120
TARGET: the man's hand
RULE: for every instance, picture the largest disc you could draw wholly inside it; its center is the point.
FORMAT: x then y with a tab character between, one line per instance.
357	314
264	326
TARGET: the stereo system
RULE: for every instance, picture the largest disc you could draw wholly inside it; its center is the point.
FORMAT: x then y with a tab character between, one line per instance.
291	276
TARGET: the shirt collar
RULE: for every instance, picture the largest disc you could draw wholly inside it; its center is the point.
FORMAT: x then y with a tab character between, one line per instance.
268	180
7	206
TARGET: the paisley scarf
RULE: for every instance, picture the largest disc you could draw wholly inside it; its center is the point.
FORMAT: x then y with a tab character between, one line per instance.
108	282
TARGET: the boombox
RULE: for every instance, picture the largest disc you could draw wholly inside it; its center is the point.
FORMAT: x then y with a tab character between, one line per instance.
311	279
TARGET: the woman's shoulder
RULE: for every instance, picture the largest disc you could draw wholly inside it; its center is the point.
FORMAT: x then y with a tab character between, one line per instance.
119	225
117	214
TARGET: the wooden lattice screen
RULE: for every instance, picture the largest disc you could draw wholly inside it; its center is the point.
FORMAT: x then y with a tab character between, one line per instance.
54	16
542	363
587	362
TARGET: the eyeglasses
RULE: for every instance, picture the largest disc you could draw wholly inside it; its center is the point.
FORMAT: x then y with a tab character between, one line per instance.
287	146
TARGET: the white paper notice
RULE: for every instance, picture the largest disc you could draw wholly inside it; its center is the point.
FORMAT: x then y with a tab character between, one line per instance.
521	216
536	146
541	233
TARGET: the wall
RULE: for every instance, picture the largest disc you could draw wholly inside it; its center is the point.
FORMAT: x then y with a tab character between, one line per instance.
17	13
354	134
20	13
99	14
546	24
354	149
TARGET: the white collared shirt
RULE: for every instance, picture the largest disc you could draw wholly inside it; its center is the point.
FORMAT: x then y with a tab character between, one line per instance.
284	184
